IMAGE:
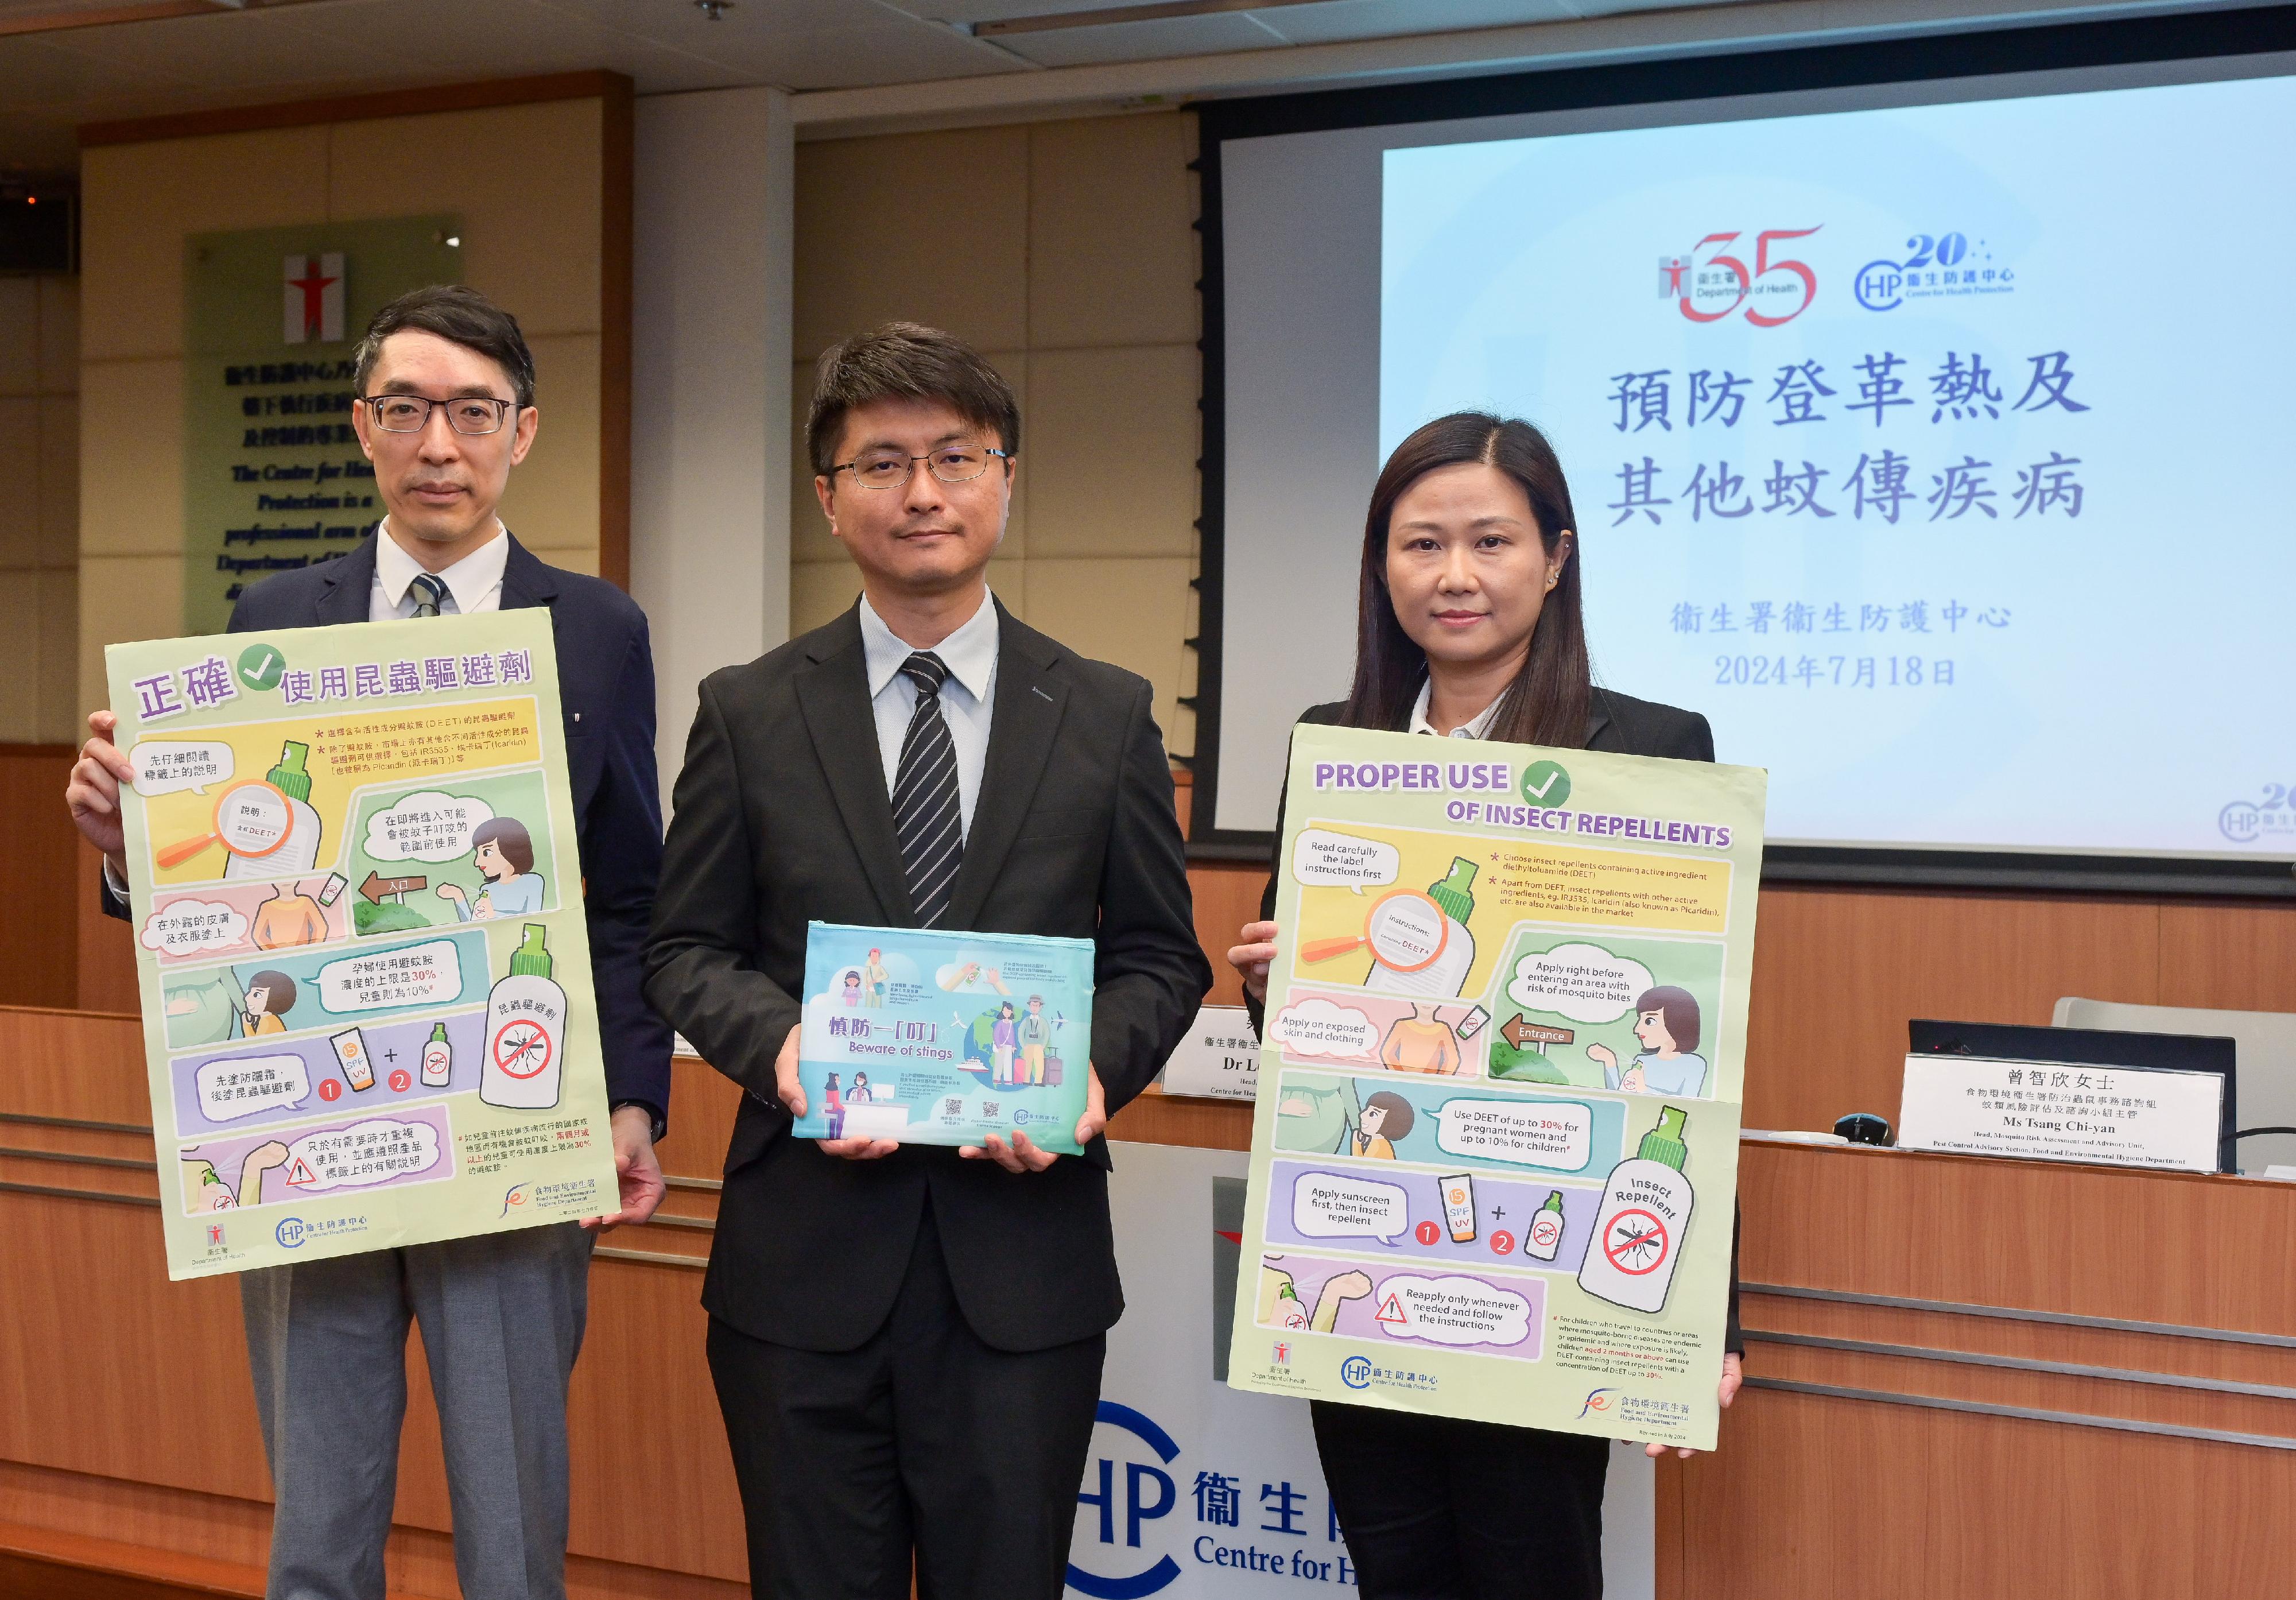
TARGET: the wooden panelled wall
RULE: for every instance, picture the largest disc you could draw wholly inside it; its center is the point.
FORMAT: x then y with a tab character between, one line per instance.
1837	972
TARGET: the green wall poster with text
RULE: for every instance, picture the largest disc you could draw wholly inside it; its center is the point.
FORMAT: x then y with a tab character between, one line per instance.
274	477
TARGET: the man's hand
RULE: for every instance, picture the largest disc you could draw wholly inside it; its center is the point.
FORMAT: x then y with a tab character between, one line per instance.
94	792
792	1096
1024	1154
636	1170
1734	1374
1252	957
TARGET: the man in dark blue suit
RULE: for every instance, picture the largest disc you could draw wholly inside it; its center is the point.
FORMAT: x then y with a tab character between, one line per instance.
445	409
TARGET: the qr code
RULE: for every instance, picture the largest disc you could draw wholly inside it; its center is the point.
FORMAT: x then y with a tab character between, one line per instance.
952	1107
990	1110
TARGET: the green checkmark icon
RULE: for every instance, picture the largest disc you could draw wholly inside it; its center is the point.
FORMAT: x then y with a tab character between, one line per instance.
260	666
1546	783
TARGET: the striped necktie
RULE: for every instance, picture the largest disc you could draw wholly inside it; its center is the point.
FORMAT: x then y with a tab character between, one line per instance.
927	814
428	590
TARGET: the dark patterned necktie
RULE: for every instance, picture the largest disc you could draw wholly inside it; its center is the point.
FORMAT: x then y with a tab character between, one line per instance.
927	815
428	590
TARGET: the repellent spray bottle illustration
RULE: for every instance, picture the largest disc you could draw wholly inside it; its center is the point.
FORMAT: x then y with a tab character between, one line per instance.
438	1059
526	1031
1637	1235
301	848
1447	974
1544	1236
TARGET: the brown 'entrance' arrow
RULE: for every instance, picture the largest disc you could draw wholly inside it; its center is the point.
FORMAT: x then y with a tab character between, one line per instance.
377	886
1521	1033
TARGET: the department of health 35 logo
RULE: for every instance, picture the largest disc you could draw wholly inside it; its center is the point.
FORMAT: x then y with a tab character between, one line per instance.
1355	1371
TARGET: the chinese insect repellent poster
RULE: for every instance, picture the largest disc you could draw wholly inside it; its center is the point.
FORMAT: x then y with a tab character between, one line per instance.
359	939
1495	1153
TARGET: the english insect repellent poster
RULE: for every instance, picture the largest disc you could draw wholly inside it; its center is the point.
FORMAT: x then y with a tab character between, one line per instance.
359	939
1495	1153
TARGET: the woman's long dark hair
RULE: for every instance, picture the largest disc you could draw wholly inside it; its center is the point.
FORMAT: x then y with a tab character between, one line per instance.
1546	703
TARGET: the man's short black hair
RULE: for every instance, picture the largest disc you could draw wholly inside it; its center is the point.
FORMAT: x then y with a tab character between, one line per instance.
907	361
460	314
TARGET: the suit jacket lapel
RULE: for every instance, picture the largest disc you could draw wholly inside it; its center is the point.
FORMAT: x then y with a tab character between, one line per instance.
1026	714
351	584
834	694
526	581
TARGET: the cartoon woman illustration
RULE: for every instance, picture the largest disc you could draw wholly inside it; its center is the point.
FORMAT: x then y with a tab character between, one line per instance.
502	851
1003	1037
1386	1117
873	978
1666	1021
833	1105
1422	1042
860	1094
851	994
270	996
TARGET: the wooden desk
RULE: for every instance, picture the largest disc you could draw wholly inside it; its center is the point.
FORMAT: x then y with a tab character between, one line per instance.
1969	1377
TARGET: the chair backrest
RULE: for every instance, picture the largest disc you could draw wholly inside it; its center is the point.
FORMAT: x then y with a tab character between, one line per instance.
2265	1071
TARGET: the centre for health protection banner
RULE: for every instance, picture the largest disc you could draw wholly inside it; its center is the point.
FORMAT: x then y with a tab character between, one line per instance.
1495	1155
359	939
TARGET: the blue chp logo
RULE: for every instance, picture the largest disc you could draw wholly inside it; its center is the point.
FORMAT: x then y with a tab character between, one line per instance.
291	1231
1355	1371
1148	1493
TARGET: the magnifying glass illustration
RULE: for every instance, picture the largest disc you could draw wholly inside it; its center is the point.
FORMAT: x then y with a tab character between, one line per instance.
1405	928
253	818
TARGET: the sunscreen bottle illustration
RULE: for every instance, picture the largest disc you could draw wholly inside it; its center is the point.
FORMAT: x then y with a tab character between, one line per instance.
1459	1206
1447	974
1544	1236
1638	1236
526	1031
438	1059
301	848
350	1056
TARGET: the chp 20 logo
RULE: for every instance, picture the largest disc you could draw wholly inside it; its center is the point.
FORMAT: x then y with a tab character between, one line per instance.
1715	281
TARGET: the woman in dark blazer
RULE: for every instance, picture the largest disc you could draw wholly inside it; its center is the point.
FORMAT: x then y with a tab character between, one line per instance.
1469	625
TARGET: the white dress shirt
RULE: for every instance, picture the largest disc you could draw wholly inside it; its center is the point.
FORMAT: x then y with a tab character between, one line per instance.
473	584
966	699
1474	727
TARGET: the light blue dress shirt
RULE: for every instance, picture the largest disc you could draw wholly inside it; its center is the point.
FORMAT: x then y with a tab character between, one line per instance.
966	699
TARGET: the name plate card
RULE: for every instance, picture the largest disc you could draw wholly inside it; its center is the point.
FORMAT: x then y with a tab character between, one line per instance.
1219	1059
2053	1111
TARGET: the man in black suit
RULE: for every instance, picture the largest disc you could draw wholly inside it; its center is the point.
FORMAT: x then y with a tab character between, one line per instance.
446	408
907	1341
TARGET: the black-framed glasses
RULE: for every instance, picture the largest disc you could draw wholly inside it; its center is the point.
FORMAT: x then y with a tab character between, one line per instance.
410	414
889	469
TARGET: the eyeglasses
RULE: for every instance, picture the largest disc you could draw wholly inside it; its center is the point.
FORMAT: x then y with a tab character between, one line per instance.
410	414
889	469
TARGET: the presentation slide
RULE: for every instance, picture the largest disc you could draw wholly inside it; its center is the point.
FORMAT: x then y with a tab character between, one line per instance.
1928	452
1928	449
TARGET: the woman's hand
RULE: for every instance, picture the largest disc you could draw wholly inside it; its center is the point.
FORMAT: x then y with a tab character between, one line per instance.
1734	1374
1252	957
